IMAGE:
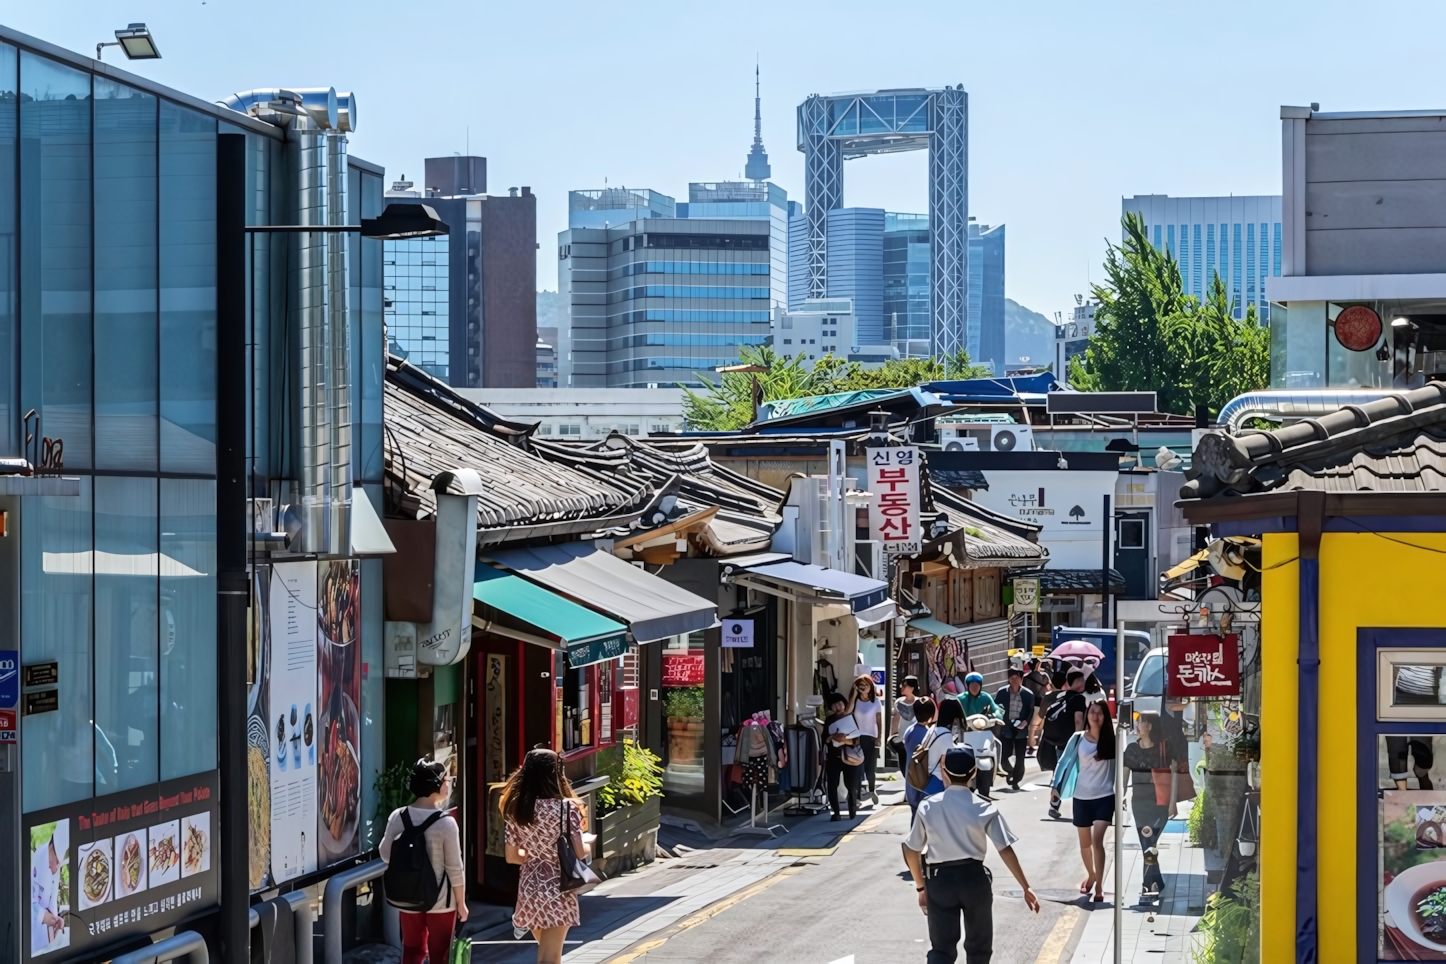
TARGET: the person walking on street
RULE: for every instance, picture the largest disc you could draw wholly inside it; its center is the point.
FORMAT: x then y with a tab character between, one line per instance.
1036	680
538	802
428	934
1017	702
923	710
904	714
843	757
1086	772
1152	793
945	851
868	712
1064	717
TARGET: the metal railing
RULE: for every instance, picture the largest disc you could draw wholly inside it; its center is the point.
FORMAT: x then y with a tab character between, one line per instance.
185	944
336	887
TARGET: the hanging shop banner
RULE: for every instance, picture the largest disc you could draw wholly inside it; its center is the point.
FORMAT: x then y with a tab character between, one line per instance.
1203	665
682	670
292	720
1026	595
338	654
893	477
596	650
738	633
120	866
259	732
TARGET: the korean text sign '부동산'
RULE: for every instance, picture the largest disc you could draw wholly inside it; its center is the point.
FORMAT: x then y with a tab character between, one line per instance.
1203	665
893	475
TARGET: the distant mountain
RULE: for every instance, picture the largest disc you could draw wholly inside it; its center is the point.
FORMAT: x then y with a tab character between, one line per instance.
1027	334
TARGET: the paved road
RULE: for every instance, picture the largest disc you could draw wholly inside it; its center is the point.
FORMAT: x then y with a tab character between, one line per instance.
860	901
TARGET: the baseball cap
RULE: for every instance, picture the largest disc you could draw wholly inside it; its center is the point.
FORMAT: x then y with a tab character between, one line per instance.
959	762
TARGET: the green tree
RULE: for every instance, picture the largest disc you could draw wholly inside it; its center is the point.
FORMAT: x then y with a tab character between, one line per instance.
1151	336
727	404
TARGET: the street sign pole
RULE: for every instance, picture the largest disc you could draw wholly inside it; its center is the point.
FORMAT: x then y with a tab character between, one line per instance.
1119	791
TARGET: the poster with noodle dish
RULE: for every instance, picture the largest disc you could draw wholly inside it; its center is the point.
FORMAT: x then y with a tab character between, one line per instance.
291	720
258	732
1413	875
338	735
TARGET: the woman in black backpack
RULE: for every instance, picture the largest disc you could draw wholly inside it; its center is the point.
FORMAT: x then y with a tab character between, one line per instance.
537	803
428	933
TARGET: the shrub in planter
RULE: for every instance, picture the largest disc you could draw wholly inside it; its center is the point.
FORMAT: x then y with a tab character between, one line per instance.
635	779
1231	925
628	810
684	702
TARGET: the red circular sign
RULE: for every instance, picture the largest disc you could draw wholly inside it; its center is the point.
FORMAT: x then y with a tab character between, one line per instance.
1358	328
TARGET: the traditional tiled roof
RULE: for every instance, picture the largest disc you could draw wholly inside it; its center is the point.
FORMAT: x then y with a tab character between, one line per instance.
1395	444
1072	581
987	542
428	429
959	479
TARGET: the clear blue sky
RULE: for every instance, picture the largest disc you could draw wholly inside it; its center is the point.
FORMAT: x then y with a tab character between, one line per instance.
1072	105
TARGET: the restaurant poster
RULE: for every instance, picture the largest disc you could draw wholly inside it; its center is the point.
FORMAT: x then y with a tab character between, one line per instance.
258	732
291	720
119	866
1413	874
337	739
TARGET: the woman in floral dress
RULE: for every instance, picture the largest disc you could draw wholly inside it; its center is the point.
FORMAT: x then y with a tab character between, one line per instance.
535	802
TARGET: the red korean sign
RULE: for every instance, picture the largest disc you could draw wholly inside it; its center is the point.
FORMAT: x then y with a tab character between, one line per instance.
1204	665
683	670
893	477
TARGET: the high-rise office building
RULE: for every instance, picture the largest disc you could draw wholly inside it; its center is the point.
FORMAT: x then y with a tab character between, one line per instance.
1237	238
906	320
464	306
984	323
660	292
833	129
856	265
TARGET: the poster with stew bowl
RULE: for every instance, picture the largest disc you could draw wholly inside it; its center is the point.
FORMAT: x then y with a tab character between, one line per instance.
95	873
1413	882
333	735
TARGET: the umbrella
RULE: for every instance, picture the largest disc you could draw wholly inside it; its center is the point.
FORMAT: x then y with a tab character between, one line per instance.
1078	650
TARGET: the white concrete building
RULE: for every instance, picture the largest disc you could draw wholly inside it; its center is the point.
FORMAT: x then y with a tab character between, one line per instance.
588	413
825	326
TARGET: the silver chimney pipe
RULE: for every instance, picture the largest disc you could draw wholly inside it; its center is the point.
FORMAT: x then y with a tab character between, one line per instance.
309	280
274	105
339	348
1296	403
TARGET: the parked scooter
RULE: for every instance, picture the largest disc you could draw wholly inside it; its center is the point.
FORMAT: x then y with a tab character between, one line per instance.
978	735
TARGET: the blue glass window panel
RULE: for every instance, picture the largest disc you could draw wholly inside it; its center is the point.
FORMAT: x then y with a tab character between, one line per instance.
1196	265
188	626
188	290
371	359
1210	249
55	252
911	115
876	115
126	345
1275	268
1170	248
1224	271
1250	293
1158	245
55	624
9	266
843	117
1235	270
127	629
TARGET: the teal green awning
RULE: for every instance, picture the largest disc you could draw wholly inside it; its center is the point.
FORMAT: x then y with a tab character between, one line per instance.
932	626
588	637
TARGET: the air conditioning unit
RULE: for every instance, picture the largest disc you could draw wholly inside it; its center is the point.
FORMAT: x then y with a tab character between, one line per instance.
986	437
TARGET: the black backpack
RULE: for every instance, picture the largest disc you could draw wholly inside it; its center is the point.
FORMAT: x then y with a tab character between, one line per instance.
1058	721
411	882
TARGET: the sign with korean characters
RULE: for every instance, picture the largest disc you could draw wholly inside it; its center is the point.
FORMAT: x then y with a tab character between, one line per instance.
1026	595
683	669
1203	665
893	476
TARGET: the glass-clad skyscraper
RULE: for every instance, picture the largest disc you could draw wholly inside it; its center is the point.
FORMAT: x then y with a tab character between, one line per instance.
906	320
985	319
415	298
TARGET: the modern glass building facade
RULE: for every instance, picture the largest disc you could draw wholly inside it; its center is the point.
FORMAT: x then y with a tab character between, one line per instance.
662	299
114	263
856	264
985	320
1236	238
415	297
906	320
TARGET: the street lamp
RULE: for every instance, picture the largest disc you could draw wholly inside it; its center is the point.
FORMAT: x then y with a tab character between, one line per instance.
135	41
398	222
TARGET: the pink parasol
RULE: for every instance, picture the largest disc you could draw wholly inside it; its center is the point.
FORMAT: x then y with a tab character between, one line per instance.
1077	650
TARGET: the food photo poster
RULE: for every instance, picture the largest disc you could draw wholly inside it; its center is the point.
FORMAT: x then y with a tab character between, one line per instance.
1413	875
50	887
291	720
337	742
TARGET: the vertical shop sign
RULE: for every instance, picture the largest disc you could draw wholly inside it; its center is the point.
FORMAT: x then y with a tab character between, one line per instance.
259	732
1203	665
494	752
338	740
291	720
893	476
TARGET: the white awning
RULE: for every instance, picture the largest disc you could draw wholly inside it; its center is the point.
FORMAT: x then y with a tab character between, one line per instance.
103	563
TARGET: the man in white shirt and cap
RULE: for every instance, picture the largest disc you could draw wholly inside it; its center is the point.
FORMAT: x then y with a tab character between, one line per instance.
945	852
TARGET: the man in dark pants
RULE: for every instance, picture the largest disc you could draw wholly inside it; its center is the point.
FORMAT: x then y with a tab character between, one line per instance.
1017	702
945	853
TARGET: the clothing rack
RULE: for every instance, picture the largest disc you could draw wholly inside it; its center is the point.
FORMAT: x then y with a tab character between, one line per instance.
804	770
754	828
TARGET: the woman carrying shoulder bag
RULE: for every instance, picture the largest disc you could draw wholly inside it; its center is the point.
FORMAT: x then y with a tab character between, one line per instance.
1156	786
868	712
537	804
914	736
429	933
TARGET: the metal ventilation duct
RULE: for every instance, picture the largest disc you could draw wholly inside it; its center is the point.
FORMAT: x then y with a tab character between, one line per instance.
1298	403
338	333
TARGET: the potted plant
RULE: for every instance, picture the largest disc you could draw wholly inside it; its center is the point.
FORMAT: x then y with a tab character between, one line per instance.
683	706
628	810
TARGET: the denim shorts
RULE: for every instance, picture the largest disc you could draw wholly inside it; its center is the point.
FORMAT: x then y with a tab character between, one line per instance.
1086	812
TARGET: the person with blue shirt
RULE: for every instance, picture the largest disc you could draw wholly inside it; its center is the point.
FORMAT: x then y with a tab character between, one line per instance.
923	711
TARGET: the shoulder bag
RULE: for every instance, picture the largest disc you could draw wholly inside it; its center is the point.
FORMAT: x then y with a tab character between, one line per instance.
576	876
853	754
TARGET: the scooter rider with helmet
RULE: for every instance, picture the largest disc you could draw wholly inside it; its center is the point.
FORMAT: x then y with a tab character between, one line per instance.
981	716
